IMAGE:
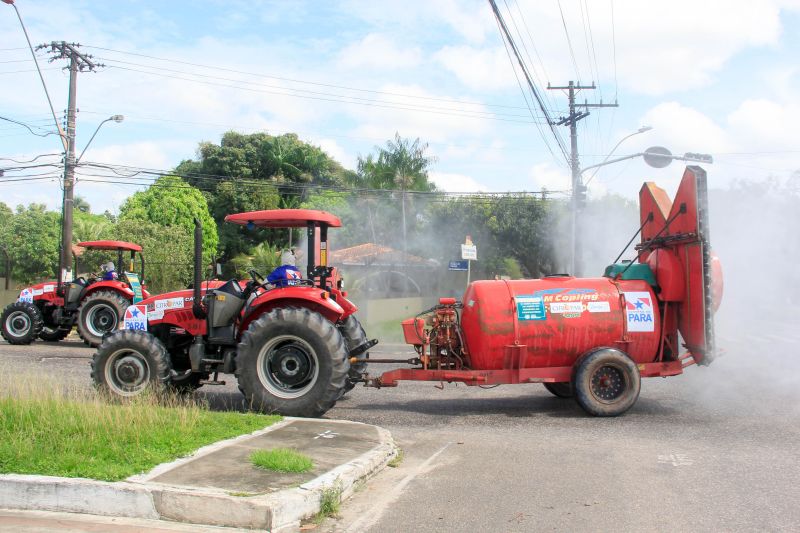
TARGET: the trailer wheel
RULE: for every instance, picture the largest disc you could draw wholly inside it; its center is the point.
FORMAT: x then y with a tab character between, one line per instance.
100	314
54	334
128	362
561	390
354	336
606	382
292	361
22	323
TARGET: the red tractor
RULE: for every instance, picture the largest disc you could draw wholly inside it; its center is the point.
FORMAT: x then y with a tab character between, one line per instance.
587	338
288	345
95	305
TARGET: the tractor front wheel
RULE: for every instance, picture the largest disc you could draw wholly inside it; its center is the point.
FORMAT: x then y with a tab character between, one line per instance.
22	323
99	314
292	361
128	362
606	382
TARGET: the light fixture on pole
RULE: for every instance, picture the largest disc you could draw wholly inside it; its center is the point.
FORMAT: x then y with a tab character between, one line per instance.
115	118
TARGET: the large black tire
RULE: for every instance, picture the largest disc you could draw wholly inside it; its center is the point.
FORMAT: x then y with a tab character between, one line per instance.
606	382
292	361
354	336
100	313
129	362
21	323
561	390
54	334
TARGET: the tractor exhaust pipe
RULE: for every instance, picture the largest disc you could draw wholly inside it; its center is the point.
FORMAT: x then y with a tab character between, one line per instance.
197	305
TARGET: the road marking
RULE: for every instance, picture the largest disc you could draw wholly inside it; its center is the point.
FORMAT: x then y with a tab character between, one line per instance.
327	434
369	519
675	459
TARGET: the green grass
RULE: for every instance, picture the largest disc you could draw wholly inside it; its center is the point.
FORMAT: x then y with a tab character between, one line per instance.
330	503
396	460
386	331
284	460
47	430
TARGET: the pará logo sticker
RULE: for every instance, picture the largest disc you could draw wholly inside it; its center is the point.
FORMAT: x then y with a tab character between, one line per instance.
639	311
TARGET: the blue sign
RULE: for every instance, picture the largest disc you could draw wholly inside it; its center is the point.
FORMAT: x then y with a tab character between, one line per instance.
530	308
458	265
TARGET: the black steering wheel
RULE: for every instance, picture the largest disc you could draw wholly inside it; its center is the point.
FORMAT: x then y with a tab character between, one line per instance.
258	279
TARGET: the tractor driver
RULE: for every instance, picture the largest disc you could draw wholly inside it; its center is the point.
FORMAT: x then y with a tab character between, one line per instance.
109	272
287	273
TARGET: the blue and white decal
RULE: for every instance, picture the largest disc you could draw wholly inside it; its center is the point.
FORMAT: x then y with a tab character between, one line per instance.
136	318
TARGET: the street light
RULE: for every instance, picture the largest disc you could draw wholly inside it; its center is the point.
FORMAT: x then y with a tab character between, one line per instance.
637	132
115	118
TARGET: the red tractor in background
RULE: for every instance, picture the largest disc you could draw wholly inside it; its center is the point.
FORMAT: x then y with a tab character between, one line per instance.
288	345
49	310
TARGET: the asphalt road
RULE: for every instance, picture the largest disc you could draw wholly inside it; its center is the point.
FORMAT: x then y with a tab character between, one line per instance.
712	450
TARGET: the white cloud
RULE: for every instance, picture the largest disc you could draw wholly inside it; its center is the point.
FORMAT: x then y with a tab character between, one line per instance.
544	176
683	129
376	51
478	69
452	182
333	149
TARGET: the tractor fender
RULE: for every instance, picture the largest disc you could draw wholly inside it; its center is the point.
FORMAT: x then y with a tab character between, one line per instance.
306	297
116	286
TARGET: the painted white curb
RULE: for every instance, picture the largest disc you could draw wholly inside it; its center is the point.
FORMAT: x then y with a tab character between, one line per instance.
139	498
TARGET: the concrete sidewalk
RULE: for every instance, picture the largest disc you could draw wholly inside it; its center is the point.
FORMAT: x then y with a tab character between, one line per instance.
218	485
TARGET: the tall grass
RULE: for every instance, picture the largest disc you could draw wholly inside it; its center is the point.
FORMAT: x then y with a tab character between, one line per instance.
49	429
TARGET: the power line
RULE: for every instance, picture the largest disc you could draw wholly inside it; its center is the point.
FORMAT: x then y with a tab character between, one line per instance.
504	30
401	107
294	80
569	41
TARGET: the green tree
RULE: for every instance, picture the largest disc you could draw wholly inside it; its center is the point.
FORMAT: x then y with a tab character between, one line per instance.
33	241
171	202
168	252
254	172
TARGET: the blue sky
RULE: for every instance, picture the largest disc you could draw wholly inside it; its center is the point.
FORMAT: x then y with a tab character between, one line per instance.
715	77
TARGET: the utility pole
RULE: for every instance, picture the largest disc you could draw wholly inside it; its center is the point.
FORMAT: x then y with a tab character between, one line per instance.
578	188
78	62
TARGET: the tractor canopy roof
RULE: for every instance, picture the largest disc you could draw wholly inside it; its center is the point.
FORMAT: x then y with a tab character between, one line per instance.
110	245
284	218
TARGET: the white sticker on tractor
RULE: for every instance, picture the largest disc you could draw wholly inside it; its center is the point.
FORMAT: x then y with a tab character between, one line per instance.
136	317
49	288
26	296
639	311
169	303
566	307
155	315
38	292
598	307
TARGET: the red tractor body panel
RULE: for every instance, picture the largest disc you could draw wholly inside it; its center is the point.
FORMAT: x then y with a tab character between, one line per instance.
175	308
46	292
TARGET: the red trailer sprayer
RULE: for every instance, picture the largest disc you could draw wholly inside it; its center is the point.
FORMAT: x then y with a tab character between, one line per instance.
296	349
591	338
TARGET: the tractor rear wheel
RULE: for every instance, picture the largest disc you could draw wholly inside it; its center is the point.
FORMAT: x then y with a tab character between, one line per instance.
99	314
561	390
128	362
292	361
54	334
354	336
22	323
606	382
